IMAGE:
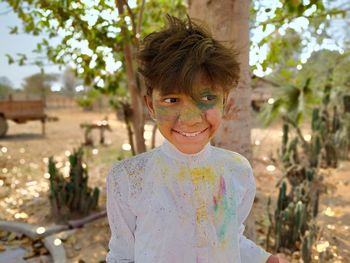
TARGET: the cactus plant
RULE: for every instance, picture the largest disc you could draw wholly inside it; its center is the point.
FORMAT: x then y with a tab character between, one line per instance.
307	243
72	196
297	206
293	223
295	210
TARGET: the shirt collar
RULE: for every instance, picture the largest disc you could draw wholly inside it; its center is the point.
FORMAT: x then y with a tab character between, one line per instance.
171	151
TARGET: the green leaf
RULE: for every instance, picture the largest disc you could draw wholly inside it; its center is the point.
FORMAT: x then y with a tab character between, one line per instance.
10	59
13	30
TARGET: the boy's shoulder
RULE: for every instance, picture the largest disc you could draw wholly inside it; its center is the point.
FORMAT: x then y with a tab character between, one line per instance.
130	173
135	164
238	165
229	156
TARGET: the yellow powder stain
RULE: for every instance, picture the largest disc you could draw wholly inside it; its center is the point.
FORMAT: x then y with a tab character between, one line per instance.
201	213
237	158
223	244
182	174
202	175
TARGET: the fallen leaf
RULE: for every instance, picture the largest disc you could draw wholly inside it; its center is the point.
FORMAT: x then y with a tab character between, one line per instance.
2	248
11	237
29	254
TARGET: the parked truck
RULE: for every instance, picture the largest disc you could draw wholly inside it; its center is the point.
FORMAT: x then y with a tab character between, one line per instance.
21	111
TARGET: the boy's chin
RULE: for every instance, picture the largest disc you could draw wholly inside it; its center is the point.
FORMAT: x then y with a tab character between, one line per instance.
190	145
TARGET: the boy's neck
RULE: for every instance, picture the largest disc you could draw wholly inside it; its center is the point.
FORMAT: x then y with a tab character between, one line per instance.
171	151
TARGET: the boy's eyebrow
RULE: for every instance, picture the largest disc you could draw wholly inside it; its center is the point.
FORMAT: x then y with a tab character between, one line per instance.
168	93
206	89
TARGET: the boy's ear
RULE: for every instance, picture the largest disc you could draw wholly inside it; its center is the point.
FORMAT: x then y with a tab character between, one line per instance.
149	104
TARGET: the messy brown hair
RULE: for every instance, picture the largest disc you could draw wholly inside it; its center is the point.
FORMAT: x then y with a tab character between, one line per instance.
171	59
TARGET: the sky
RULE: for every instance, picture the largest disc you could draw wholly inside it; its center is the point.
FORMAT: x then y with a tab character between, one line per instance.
12	44
24	43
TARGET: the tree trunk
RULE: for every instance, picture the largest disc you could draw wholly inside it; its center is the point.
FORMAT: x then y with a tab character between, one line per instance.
137	117
228	21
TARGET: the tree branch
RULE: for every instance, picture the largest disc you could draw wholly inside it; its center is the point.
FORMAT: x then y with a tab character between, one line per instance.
139	20
131	14
34	62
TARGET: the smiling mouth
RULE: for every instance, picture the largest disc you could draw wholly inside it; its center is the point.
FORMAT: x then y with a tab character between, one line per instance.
190	134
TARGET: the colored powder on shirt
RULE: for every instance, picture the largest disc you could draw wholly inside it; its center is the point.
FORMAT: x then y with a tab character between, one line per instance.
222	209
222	191
202	175
181	174
237	158
201	178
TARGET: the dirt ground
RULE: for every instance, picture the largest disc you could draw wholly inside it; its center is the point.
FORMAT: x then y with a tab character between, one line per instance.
24	188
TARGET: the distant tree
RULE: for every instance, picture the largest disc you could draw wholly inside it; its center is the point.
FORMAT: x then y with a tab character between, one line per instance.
6	87
324	62
284	55
70	82
39	84
89	98
301	90
5	81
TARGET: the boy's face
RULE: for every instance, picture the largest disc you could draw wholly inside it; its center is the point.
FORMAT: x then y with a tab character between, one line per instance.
188	123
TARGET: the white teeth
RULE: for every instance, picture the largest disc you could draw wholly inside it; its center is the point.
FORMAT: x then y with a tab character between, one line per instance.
189	134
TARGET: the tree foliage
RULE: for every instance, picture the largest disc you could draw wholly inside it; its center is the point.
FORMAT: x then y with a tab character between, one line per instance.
325	64
70	82
297	96
312	18
291	29
5	87
39	84
89	34
284	54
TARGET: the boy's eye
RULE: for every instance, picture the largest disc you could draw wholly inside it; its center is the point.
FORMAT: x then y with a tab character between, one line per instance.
209	97
171	100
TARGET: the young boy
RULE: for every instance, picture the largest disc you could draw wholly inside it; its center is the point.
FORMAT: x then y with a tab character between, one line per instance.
185	201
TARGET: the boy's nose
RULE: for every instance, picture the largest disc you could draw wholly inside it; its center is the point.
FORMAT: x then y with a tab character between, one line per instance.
190	115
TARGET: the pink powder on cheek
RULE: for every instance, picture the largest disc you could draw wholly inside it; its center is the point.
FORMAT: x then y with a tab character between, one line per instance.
213	112
214	116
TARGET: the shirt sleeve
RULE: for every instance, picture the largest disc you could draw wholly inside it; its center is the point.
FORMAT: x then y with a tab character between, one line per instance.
121	220
249	251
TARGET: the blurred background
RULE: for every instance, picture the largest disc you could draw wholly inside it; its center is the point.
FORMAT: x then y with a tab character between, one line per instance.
71	105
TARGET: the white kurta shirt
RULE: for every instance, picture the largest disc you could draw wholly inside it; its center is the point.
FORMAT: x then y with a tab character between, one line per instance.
165	206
